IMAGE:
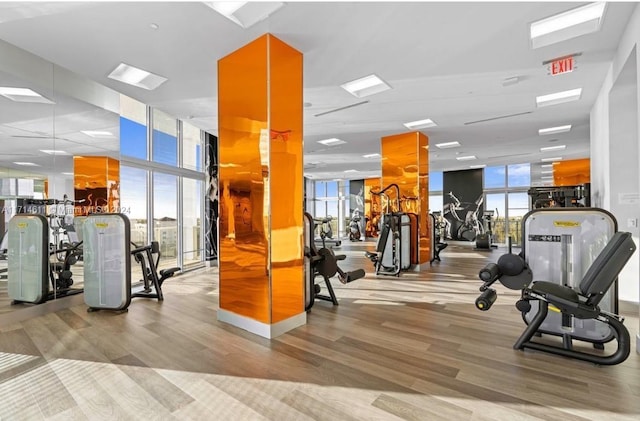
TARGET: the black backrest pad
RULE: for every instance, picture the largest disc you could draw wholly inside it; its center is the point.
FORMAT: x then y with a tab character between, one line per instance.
605	269
309	229
382	237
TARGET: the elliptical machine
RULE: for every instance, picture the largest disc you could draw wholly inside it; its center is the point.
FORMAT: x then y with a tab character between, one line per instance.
397	244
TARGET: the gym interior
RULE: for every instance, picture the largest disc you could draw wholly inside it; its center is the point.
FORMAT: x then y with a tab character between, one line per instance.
331	210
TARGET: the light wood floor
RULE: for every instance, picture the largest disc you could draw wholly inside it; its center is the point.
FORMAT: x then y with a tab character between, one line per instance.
413	348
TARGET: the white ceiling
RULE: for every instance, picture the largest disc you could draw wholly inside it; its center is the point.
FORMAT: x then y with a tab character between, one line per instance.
444	61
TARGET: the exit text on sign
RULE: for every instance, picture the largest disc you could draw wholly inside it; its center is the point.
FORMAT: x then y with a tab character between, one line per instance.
562	65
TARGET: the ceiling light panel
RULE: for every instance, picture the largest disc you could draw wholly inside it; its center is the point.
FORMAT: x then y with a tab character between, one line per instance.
368	85
554	130
447	145
558	158
348	171
371	155
478	166
332	142
558	97
23	95
420	124
466	158
546	166
97	133
243	13
553	148
53	152
567	25
26	164
137	77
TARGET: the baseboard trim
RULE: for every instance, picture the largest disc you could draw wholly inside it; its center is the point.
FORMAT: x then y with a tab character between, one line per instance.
265	330
36	310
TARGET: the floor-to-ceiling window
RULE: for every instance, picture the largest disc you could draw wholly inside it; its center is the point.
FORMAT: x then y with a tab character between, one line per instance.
435	191
133	200
162	183
165	217
191	221
331	201
506	194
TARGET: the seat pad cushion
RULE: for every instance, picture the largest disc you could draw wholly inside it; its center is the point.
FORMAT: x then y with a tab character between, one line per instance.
555	290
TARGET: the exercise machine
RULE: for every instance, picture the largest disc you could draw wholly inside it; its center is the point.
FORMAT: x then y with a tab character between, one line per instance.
326	232
4	245
397	245
354	226
437	245
107	262
569	263
28	259
33	262
560	196
108	283
150	286
468	226
322	263
484	240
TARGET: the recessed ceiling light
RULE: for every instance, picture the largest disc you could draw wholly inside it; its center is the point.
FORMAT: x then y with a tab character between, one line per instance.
27	164
244	13
546	166
332	142
371	155
546	172
570	24
136	77
447	145
478	166
558	97
23	95
154	26
53	152
546	177
553	148
466	158
558	158
67	173
365	86
420	124
97	133
350	170
554	130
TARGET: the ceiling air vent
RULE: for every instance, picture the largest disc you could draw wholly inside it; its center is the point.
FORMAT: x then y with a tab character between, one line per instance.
341	108
496	118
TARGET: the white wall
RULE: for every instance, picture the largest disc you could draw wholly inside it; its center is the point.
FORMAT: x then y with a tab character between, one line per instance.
615	150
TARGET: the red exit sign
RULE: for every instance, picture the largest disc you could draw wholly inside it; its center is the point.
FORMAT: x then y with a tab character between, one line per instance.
562	65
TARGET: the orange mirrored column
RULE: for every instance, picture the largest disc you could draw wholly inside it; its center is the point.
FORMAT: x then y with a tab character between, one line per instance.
261	187
96	181
405	162
572	173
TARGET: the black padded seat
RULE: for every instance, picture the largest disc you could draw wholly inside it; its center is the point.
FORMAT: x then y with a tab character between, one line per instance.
169	271
555	292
